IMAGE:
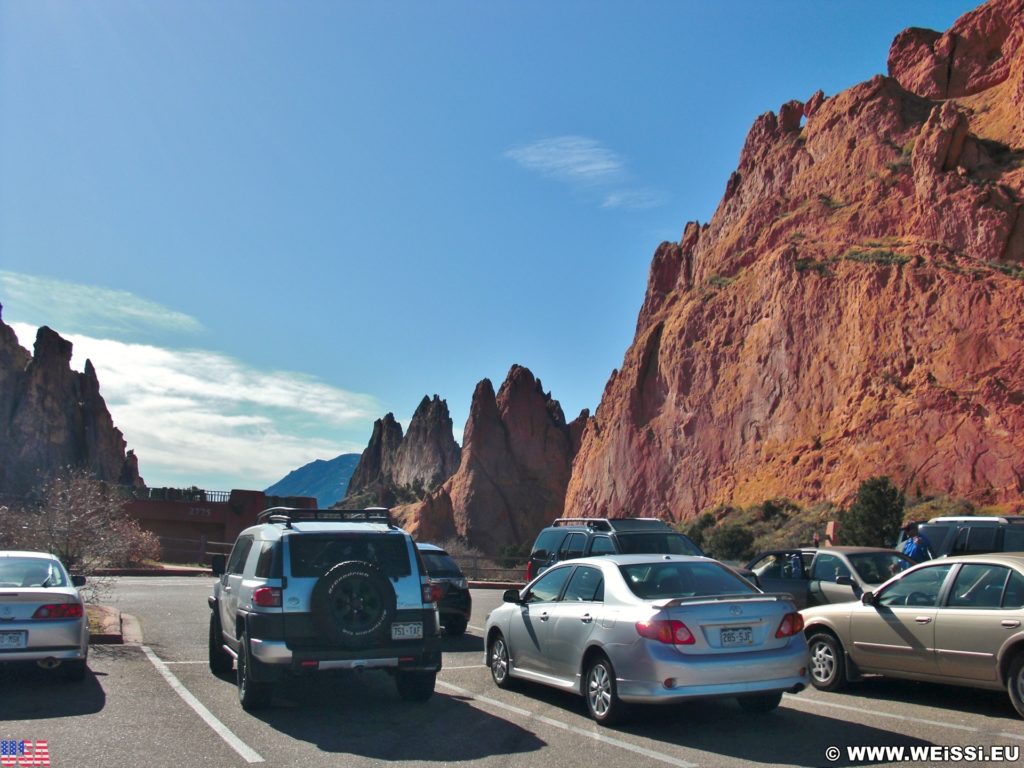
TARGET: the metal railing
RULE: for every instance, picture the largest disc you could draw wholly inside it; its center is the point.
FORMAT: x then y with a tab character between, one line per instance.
194	495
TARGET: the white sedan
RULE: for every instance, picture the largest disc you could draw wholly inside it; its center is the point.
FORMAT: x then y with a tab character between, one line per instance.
648	629
42	617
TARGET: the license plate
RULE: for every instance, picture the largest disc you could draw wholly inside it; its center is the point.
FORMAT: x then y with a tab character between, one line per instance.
409	630
11	640
737	636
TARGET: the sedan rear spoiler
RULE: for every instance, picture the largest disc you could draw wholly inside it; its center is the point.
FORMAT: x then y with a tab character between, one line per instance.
767	597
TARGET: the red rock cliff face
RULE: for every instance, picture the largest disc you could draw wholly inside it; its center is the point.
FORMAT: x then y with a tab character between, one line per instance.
396	464
52	417
516	458
853	308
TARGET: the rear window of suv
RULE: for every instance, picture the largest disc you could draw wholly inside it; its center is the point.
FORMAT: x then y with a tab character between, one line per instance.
315	555
440	564
656	544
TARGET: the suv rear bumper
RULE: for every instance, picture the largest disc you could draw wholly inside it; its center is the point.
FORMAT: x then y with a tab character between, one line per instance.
276	653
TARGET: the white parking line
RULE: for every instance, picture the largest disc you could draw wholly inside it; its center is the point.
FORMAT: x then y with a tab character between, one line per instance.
247	753
790	700
660	756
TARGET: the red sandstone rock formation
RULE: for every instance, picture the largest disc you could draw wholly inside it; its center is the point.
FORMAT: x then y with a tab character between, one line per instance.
853	308
516	457
52	417
394	465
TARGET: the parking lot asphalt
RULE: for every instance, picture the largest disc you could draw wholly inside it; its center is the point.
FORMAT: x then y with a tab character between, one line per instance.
156	704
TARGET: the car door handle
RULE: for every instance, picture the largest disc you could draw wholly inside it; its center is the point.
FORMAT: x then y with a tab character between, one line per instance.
923	619
544	617
586	618
1010	623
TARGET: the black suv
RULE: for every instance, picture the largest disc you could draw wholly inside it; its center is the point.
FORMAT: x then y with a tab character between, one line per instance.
967	535
456	605
305	591
570	537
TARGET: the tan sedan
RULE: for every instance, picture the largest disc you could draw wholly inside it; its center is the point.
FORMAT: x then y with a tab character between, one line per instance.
957	620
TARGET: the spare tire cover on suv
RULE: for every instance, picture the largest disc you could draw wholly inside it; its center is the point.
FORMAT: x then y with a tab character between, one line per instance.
354	604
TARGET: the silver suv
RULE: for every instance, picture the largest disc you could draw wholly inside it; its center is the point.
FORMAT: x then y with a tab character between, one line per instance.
307	590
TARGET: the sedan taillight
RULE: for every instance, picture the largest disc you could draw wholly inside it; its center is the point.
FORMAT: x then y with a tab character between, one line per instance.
267	597
792	624
432	592
668	631
59	611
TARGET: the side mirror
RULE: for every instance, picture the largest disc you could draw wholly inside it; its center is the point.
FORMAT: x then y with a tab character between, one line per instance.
78	581
218	564
868	598
511	596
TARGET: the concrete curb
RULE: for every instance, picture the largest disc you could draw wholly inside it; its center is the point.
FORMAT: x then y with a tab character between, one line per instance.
107	623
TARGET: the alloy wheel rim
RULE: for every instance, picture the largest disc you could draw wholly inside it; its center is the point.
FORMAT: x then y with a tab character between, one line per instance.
823	663
499	660
599	690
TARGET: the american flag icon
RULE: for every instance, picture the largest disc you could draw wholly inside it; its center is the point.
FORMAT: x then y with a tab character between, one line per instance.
24	753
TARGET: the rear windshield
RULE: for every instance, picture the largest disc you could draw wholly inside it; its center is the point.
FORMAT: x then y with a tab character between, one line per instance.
876	567
662	543
440	564
1013	538
653	581
31	572
314	555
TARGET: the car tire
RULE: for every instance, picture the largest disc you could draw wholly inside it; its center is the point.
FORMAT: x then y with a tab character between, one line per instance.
760	704
415	685
828	662
455	627
354	604
252	694
74	670
220	660
498	661
601	692
1015	683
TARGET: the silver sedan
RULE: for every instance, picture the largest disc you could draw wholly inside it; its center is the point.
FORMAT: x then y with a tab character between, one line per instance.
624	629
956	620
42	617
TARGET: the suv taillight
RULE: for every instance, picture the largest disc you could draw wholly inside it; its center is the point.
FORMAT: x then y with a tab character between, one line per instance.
792	624
529	570
668	631
59	611
267	597
432	592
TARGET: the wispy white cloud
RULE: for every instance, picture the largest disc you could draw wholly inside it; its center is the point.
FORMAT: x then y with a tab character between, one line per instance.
89	308
634	199
204	413
572	159
585	164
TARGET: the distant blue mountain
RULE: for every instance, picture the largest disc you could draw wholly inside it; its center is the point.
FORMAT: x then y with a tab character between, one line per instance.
326	480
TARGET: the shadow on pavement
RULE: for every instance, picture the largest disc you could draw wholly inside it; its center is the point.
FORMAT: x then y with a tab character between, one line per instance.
347	713
466	643
975	701
719	727
783	737
31	693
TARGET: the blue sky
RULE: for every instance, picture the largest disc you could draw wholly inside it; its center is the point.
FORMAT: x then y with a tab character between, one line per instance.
270	223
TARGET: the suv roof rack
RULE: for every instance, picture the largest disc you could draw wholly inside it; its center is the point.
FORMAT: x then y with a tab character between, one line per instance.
1010	519
610	523
288	515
